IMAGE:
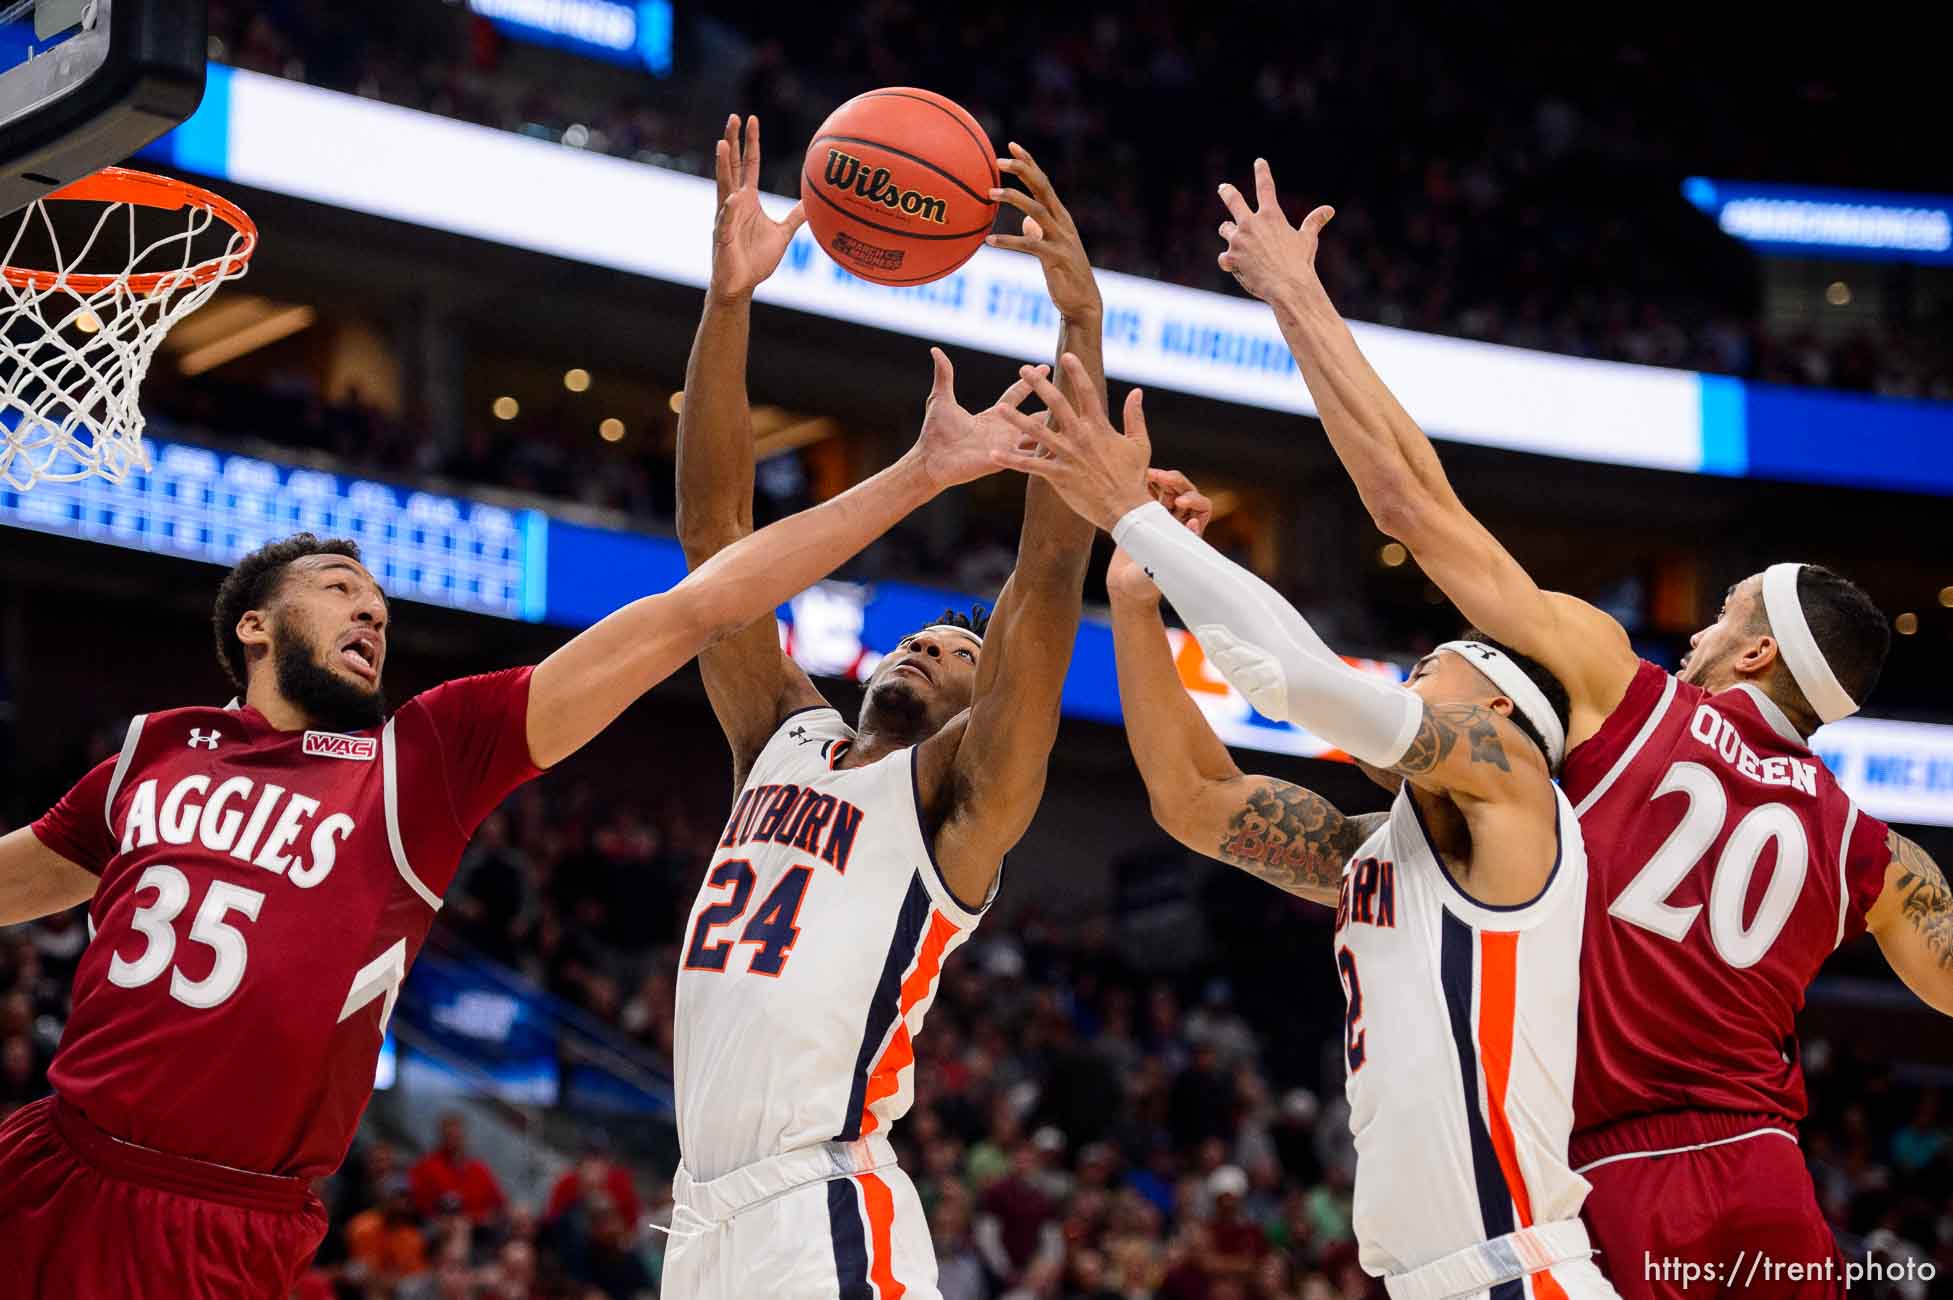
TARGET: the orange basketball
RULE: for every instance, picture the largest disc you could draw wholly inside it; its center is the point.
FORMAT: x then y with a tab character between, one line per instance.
897	185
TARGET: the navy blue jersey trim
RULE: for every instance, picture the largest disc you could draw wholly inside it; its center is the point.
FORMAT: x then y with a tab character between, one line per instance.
929	842
887	1002
1457	946
850	1241
805	708
1559	851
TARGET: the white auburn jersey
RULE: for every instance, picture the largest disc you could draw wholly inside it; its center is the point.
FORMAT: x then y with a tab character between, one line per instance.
813	952
1459	1038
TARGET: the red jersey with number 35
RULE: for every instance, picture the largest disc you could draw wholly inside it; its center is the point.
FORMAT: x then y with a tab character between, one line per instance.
1725	865
262	894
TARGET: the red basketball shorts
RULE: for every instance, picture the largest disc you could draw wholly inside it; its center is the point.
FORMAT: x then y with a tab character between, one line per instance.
82	1214
1694	1206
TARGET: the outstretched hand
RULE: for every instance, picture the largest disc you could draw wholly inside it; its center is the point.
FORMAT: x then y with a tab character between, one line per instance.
1050	235
955	445
1099	471
747	245
1126	579
1265	254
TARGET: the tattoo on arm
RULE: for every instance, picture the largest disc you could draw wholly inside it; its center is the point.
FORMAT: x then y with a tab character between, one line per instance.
1443	727
1293	838
1928	902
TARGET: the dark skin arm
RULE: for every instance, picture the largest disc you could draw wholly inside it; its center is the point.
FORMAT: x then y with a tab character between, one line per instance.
750	681
981	779
1290	837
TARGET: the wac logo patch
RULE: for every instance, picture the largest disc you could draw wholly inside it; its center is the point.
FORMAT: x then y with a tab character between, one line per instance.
327	744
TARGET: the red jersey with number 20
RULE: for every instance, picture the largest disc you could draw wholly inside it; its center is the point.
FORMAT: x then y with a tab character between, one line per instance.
262	895
1726	864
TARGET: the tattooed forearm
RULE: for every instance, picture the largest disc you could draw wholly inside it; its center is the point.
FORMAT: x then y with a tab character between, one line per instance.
1928	901
1443	727
1293	838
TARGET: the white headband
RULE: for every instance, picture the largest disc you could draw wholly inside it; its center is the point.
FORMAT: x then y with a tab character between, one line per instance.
1801	653
951	627
1513	683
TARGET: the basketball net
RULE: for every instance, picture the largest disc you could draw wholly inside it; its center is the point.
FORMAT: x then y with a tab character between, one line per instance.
76	344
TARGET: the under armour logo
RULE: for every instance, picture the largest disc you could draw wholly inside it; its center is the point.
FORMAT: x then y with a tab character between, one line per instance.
205	739
800	734
1486	653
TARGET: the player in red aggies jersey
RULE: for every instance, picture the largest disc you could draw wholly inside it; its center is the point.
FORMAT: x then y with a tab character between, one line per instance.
1725	862
260	877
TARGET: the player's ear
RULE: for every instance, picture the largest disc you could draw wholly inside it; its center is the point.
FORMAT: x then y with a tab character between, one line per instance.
1501	704
1758	656
254	629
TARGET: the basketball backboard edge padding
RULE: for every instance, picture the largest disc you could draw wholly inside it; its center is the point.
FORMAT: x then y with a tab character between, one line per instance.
151	79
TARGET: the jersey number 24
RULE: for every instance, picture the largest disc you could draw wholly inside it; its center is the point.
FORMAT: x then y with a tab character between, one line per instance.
773	929
1645	900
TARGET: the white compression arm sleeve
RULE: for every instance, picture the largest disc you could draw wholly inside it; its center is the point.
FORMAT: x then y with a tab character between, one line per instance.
1264	648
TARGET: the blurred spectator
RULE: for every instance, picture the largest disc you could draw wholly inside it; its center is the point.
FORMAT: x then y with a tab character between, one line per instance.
384	1243
594	1177
449	1179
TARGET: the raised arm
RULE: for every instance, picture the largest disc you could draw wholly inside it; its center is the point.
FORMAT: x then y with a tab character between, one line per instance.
1397	472
1253	637
1913	923
581	688
985	791
1288	836
750	681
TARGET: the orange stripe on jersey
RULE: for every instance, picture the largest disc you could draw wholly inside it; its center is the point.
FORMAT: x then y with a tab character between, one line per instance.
881	1251
899	1055
1498	991
1546	1286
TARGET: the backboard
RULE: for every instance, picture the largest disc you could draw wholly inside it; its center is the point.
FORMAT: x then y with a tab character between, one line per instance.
86	83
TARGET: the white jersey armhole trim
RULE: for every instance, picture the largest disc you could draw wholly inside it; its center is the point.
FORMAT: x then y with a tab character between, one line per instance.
932	872
128	756
1676	1151
1844	889
390	797
1568	874
1634	747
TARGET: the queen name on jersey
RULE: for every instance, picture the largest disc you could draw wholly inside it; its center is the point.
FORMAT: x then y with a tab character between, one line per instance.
1735	865
1458	1050
812	955
262	895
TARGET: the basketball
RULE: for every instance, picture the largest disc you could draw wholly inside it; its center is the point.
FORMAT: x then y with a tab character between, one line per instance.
897	185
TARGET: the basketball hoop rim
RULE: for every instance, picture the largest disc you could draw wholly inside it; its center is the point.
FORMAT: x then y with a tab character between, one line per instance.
148	190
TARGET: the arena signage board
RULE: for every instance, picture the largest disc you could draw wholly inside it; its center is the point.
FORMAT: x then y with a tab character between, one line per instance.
637	34
1802	221
493	185
199	504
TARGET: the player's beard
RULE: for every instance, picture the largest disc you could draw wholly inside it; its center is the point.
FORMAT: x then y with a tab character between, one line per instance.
898	709
329	700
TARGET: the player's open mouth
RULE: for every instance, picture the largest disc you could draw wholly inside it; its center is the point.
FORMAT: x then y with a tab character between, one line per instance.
361	655
910	666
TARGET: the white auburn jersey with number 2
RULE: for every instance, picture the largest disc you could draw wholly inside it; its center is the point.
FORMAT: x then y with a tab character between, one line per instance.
813	952
1459	1034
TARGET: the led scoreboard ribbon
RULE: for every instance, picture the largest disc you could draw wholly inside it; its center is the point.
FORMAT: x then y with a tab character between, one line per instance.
519	563
199	504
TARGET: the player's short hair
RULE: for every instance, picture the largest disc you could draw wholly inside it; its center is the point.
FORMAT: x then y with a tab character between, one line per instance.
975	622
252	582
1540	676
1847	625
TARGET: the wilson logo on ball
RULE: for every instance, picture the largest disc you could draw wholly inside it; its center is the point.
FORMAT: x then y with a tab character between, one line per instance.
846	172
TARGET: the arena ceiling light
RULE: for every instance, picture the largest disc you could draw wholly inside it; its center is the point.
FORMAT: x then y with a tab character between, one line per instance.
238	325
